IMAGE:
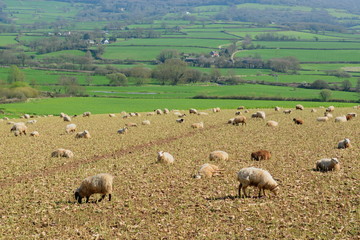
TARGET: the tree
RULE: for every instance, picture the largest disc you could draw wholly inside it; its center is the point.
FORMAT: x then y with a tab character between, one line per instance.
325	95
346	85
15	75
89	79
215	74
320	84
70	85
171	71
167	54
117	79
284	64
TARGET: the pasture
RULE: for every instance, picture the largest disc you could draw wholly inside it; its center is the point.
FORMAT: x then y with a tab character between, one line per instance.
155	201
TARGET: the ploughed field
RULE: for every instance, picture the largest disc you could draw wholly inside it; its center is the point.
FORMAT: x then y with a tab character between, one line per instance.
156	201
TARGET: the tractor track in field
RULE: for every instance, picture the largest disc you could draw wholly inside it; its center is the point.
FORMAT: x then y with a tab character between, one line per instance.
78	162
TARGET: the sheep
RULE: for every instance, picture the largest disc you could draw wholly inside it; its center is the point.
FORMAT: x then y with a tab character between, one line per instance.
66	118
86	114
288	111
256	177
218	156
231	120
208	170
122	130
26	116
197	125
246	111
203	113
330	109
261	155
217	109
137	114
18	129
101	183
180	120
62	115
327	164
240	108
344	144
34	134
70	128
272	123
84	134
31	121
238	120
327	114
259	114
61	152
132	114
158	111
193	111
348	117
237	113
165	157
150	113
145	122
299	107
126	116
111	115
277	109
166	111
352	114
313	110
6	118
341	119
322	119
180	115
298	121
131	124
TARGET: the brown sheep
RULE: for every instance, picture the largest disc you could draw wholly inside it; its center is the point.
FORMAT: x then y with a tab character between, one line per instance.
349	117
298	121
238	120
261	155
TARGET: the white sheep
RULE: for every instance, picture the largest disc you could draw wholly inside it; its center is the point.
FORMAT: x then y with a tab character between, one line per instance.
18	129
330	109
34	134
193	111
272	123
70	128
150	113
327	114
165	157
122	130
197	125
259	114
231	120
208	170
299	107
238	120
218	156
62	115
166	111
61	152
26	116
145	122
158	111
131	124
112	115
287	111
344	143
203	113
84	134
322	119
256	177
66	118
341	119
277	109
31	121
313	110
217	109
101	183
327	164
86	114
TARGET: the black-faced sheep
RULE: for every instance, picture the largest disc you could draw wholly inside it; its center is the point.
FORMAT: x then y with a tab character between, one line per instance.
298	121
34	134
158	111
344	143
66	118
193	111
208	170
256	177
165	157
218	156
327	164
122	130
277	109
180	120
299	107
18	128
101	183
330	109
259	114
84	134
261	155
86	114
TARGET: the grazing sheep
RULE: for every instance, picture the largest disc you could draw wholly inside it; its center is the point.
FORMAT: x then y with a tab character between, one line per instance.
137	114
288	111
256	177
272	123
197	125
101	183
218	156
150	114
217	109
313	110
31	121
158	111
126	116
277	109
6	118
84	134
341	119
322	119
327	164
66	118
145	122
132	114
131	124
112	115
299	107
203	113
246	111
180	120
330	109
352	114
165	157
26	116
34	134
259	114
240	108
298	121
344	144
348	117
70	128
61	152
238	120
122	130
238	113
261	155
62	115
193	111
86	114
18	129
208	170
181	115
327	114
166	111
231	120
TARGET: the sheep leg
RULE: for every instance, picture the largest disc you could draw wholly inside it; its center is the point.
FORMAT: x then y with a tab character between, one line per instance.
260	192
102	197
244	190
87	199
109	196
240	187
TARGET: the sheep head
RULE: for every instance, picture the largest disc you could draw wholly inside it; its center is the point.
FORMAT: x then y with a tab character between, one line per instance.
335	160
78	196
275	190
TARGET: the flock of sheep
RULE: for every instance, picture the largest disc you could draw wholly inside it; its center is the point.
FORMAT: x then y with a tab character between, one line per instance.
249	176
